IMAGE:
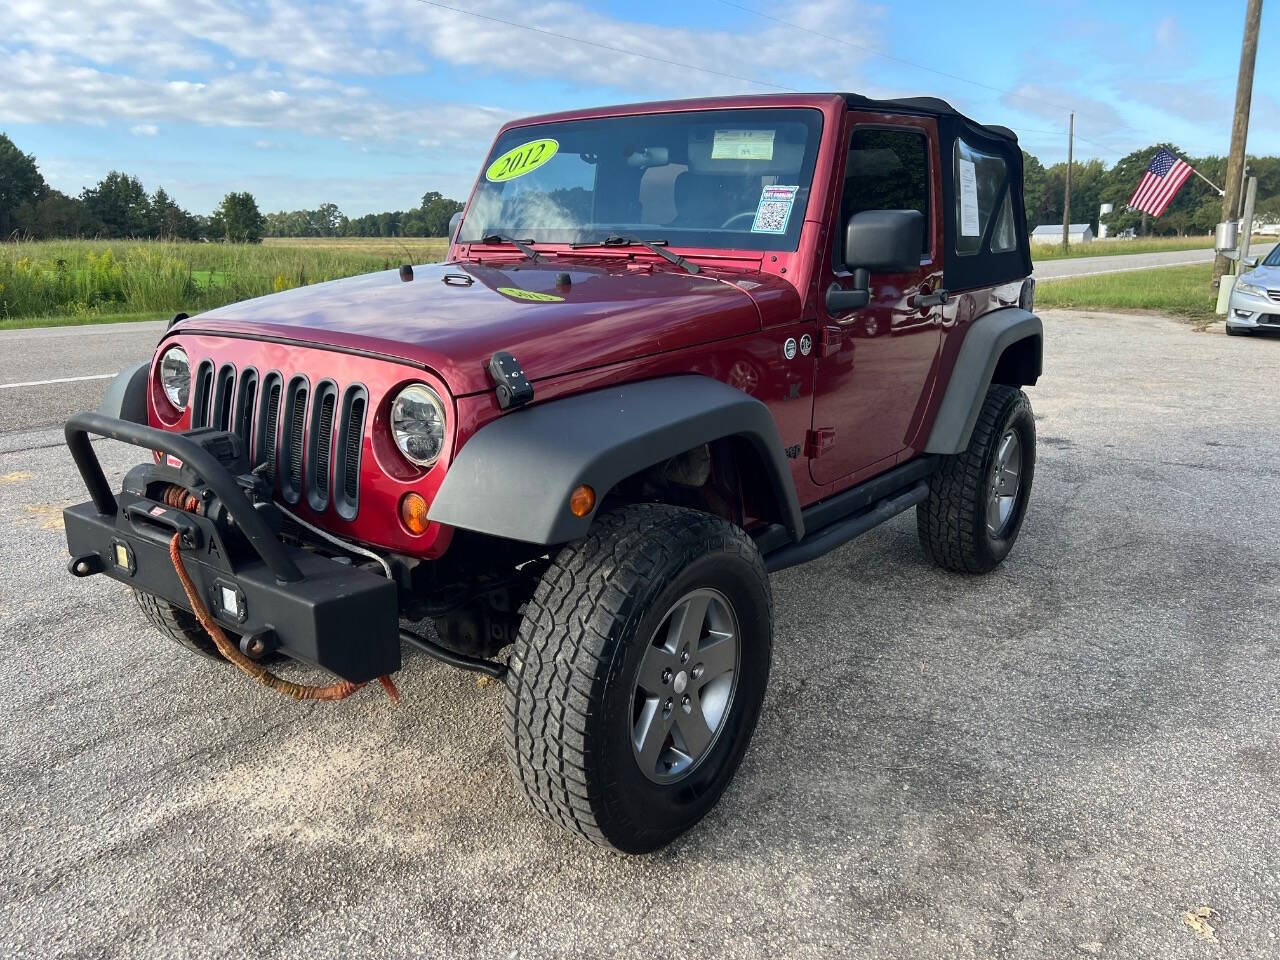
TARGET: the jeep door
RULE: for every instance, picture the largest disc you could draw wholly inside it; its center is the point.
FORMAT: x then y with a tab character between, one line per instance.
876	366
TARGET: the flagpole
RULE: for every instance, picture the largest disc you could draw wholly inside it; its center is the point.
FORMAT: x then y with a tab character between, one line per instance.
1221	192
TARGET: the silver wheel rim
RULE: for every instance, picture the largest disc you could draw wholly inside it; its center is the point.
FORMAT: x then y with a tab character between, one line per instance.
685	687
1006	483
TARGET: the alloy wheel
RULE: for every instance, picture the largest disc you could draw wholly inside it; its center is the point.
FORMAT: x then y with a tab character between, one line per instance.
685	686
1006	483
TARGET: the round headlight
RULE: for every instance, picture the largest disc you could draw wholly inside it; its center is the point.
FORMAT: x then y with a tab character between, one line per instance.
175	376
417	424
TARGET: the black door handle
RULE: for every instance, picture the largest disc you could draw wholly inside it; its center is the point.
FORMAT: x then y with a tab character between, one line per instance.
935	299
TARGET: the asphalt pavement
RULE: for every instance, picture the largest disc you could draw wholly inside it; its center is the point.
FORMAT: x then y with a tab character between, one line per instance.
1057	760
1118	263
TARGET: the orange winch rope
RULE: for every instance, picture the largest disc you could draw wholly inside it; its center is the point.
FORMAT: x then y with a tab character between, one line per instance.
176	496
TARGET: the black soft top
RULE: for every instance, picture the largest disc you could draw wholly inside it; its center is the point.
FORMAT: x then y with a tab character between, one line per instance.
928	107
984	267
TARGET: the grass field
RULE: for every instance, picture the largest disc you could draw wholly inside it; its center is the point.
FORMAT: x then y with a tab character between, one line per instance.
88	281
1177	291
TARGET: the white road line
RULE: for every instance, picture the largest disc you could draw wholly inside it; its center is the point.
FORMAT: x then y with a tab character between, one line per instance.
1145	266
41	383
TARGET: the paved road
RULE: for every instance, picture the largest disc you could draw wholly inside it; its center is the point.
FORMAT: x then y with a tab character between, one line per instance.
1054	761
1117	263
77	359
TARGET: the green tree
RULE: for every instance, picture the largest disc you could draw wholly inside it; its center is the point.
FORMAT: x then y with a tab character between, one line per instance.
20	183
56	215
436	211
1033	190
168	220
237	219
120	204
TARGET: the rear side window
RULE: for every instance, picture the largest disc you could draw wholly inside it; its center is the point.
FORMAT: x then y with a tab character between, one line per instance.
982	192
886	170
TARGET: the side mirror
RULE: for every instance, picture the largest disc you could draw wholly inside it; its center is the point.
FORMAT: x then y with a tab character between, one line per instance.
883	241
454	221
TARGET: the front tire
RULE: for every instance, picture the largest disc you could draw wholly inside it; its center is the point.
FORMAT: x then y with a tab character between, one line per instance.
638	675
978	498
178	625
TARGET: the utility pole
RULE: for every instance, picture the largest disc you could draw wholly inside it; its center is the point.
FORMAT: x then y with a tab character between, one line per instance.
1240	124
1066	199
1246	228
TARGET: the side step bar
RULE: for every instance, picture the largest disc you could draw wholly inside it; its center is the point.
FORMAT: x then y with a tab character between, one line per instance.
841	531
822	541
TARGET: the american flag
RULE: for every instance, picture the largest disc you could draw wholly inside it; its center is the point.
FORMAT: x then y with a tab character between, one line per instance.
1160	184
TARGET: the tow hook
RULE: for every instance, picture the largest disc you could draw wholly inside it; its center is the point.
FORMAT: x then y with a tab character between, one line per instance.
255	646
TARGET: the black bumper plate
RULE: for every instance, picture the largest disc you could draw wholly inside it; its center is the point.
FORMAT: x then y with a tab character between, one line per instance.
337	617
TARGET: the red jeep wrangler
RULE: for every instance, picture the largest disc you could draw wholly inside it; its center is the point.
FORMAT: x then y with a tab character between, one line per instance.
675	347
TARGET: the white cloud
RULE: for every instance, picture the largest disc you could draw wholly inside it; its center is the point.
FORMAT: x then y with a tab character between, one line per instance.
88	95
287	63
285	69
766	53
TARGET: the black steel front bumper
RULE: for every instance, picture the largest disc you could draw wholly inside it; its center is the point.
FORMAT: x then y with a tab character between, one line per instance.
312	608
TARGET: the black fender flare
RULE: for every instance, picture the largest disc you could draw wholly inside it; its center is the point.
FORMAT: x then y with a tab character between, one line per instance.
513	477
126	396
985	341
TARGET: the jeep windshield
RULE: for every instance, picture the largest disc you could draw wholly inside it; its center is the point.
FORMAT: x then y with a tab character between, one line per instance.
715	179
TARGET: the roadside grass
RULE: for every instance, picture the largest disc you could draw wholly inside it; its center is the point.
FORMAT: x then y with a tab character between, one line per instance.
1183	292
1114	246
1118	246
57	282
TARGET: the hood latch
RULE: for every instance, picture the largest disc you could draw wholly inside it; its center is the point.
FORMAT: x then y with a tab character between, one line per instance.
512	386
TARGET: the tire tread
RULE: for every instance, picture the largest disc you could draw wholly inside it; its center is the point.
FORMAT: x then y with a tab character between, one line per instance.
592	594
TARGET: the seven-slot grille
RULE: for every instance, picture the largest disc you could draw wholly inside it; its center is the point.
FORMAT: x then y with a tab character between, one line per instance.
308	439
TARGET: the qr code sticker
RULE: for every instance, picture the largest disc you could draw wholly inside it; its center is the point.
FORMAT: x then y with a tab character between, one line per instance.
774	210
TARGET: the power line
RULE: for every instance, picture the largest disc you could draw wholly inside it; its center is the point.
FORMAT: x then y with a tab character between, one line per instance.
605	46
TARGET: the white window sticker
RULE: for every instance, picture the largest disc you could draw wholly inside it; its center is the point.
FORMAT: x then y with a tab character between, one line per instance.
742	145
774	210
969	226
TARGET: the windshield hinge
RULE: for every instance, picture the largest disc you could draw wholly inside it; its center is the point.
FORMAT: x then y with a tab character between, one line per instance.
512	387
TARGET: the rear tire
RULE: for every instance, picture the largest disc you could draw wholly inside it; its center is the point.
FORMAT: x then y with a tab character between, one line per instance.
978	498
626	715
178	625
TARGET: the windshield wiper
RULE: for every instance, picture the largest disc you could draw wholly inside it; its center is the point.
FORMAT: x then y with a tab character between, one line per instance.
521	245
657	246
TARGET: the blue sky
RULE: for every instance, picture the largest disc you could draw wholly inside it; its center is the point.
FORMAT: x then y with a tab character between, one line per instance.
369	103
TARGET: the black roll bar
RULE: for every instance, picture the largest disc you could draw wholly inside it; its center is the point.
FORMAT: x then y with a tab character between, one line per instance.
199	460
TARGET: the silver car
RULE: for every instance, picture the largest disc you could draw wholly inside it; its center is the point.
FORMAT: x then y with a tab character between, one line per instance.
1255	301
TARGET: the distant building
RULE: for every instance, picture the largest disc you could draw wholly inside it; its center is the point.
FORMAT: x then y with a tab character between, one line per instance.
1052	233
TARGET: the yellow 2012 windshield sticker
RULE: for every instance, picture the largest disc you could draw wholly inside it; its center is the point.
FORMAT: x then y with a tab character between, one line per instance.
520	160
531	295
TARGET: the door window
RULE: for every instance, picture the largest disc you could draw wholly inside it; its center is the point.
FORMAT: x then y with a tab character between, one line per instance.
885	170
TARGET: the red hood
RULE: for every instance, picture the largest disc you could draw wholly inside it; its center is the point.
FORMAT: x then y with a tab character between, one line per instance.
612	310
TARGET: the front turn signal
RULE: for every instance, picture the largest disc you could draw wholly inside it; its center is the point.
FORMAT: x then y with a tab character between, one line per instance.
582	501
413	513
